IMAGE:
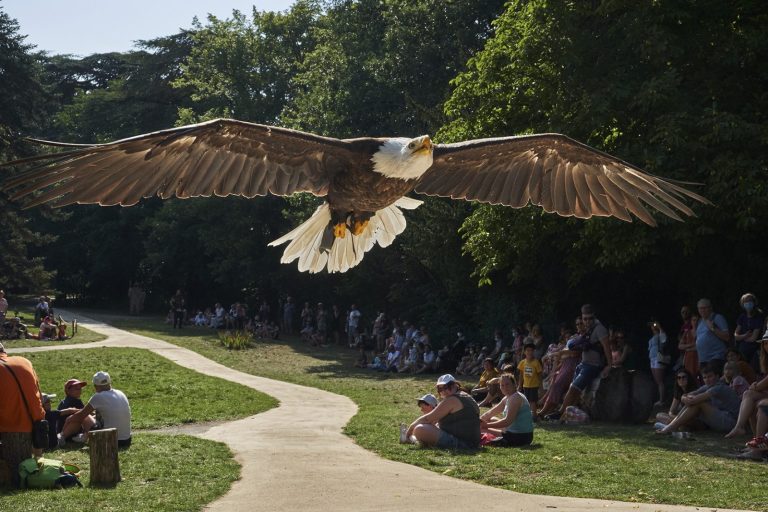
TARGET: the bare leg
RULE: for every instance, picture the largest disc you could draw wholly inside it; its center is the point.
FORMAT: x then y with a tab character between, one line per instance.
688	414
746	412
426	434
658	377
572	397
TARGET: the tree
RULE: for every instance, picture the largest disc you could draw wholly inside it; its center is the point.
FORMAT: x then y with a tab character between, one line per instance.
22	108
676	88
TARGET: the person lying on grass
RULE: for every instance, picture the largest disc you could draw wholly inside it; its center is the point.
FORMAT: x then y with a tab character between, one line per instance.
453	424
514	426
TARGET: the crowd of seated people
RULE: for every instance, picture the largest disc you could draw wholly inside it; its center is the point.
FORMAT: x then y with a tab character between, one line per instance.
720	374
553	376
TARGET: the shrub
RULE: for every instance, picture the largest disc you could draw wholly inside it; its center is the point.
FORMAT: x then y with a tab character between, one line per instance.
235	340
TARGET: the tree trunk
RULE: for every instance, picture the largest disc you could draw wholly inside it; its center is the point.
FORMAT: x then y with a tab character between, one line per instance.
16	447
105	468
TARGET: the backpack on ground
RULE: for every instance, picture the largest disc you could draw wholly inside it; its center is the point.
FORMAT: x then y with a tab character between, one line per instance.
47	474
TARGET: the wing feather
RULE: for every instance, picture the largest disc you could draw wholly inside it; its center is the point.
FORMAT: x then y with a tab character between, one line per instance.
554	172
221	157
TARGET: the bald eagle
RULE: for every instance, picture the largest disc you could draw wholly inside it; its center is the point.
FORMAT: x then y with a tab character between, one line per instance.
364	181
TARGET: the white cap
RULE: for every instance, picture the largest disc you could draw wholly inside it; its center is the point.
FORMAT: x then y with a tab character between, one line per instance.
429	398
101	379
445	379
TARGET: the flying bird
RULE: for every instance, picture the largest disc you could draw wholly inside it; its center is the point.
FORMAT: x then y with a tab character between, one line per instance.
364	181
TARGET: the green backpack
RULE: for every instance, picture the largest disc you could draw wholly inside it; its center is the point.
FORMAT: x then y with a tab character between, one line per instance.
47	474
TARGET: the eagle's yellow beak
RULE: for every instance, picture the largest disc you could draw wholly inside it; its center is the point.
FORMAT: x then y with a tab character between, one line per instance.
426	144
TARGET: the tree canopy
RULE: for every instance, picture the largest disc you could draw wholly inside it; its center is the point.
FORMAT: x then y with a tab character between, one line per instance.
677	88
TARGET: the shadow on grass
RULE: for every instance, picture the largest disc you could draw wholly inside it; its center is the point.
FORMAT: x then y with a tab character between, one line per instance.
706	443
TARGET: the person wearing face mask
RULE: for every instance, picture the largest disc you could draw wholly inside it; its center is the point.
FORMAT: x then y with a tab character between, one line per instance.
749	328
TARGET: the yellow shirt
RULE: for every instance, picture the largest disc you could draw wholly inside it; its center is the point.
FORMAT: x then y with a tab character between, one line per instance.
486	376
531	373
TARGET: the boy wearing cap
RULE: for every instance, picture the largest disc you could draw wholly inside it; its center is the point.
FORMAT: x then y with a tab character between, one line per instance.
111	409
70	405
427	403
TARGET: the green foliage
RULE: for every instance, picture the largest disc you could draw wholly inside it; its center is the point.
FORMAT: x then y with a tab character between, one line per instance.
241	67
22	109
675	88
235	340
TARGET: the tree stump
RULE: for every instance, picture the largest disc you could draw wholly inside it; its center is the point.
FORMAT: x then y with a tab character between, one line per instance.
16	447
105	467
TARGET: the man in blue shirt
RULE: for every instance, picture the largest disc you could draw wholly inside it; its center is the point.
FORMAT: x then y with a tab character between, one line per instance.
712	336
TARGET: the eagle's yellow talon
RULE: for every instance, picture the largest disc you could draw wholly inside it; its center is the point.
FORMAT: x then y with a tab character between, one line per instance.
340	230
358	226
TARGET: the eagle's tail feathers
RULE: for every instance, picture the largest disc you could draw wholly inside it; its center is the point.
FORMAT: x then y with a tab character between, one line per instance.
306	239
408	203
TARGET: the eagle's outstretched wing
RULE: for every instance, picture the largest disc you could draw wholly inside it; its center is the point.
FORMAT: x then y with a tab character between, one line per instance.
552	171
221	157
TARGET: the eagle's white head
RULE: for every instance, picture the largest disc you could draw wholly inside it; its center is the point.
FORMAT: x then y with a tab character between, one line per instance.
403	158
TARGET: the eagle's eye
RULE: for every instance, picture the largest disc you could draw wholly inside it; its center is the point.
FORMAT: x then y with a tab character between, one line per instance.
411	145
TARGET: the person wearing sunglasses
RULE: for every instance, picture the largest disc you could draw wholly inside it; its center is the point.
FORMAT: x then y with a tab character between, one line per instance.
684	383
453	424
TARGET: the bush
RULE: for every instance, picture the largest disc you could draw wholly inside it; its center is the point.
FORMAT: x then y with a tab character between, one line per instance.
235	340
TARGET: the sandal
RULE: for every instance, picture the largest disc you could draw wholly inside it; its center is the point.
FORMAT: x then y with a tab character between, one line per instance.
760	443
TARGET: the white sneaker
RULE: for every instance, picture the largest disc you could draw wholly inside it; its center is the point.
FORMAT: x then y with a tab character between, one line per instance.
403	432
79	438
60	441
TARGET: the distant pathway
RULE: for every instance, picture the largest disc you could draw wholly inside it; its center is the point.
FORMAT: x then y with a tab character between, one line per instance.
295	458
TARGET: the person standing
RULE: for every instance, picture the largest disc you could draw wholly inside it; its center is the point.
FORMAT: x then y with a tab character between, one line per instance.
749	329
288	311
659	359
595	355
20	398
353	321
177	306
712	337
687	341
3	305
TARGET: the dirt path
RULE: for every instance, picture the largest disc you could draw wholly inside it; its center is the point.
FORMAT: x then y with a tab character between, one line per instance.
294	457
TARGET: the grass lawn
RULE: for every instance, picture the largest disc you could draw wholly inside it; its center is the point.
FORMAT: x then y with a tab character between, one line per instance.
83	335
161	392
160	473
607	461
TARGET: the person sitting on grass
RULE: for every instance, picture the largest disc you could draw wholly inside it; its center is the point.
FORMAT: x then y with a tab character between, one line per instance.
47	330
514	426
733	378
426	404
453	424
530	372
715	404
757	447
489	372
110	408
71	404
757	391
684	383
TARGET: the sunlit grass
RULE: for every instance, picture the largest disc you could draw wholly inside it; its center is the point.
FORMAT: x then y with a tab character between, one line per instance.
607	461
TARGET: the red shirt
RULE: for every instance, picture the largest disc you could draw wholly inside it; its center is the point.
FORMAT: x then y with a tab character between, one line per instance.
13	414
